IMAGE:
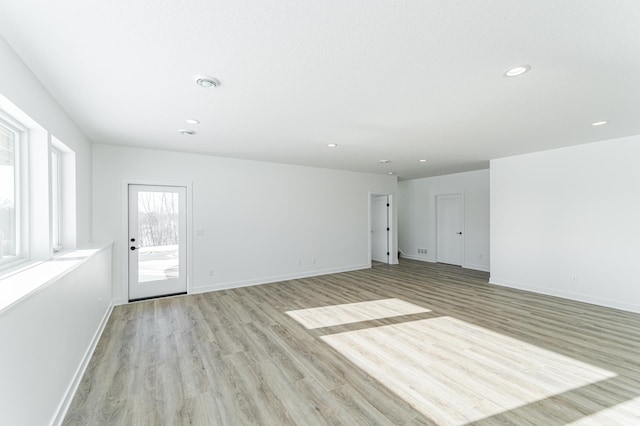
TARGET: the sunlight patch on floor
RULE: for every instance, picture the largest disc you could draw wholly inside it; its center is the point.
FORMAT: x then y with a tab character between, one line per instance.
625	413
455	372
329	316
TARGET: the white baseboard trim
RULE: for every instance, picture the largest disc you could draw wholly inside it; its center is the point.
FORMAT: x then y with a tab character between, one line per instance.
585	298
120	301
269	280
483	268
432	260
61	412
419	258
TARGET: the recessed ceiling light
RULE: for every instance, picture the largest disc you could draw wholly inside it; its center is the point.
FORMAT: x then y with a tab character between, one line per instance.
516	71
332	145
192	121
423	160
391	173
206	81
599	123
186	132
385	161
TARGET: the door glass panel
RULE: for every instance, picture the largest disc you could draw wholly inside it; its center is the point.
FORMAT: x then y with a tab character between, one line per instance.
158	224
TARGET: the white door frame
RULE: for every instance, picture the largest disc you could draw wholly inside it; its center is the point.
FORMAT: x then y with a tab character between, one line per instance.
124	232
462	223
380	202
393	242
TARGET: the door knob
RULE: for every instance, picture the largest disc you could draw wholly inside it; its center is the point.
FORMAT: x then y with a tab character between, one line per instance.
459	233
134	248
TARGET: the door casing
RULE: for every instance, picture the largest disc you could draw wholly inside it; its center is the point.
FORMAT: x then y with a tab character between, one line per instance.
121	290
164	286
380	213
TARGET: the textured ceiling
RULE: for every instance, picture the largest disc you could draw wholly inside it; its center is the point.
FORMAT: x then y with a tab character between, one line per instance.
398	80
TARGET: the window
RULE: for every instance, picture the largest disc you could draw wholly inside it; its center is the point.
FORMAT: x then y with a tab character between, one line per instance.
37	192
9	235
56	199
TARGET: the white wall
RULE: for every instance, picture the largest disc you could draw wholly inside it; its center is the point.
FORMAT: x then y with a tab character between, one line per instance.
417	216
259	219
566	222
46	338
22	88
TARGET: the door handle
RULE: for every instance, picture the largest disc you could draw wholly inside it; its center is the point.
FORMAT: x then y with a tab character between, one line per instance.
459	233
135	248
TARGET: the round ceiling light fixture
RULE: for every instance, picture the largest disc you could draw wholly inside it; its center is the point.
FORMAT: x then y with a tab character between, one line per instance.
332	145
391	173
599	123
192	121
385	161
186	132
516	71
206	81
423	160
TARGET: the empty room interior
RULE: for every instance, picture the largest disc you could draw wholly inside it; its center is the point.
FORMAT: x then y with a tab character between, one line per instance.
310	213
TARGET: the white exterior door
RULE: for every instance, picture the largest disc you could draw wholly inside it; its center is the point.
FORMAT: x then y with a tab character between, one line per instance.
450	238
380	228
157	241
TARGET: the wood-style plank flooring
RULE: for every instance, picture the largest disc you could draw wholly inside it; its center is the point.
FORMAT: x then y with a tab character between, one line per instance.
414	344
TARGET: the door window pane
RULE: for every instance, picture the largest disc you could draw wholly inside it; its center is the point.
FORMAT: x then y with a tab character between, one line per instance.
8	227
158	220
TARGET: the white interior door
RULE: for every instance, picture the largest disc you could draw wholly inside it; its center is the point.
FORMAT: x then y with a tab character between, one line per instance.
380	228
450	240
157	241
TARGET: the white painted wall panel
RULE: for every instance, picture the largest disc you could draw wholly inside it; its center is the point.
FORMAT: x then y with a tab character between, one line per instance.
258	219
45	339
566	222
417	216
22	88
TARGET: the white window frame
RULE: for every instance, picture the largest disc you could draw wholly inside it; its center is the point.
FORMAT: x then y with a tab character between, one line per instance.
55	180
21	188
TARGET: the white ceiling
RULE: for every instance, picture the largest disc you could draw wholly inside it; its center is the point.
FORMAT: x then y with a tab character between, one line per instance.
399	80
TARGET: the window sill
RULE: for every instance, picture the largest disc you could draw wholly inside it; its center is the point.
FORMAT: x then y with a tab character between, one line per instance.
35	277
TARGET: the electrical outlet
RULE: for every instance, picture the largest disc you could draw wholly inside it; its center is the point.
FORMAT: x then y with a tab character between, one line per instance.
211	272
299	262
422	251
313	260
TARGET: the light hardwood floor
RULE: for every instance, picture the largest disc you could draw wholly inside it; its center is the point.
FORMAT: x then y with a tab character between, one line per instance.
414	344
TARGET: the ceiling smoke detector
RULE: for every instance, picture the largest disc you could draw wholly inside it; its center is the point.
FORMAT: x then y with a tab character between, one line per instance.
206	81
516	71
